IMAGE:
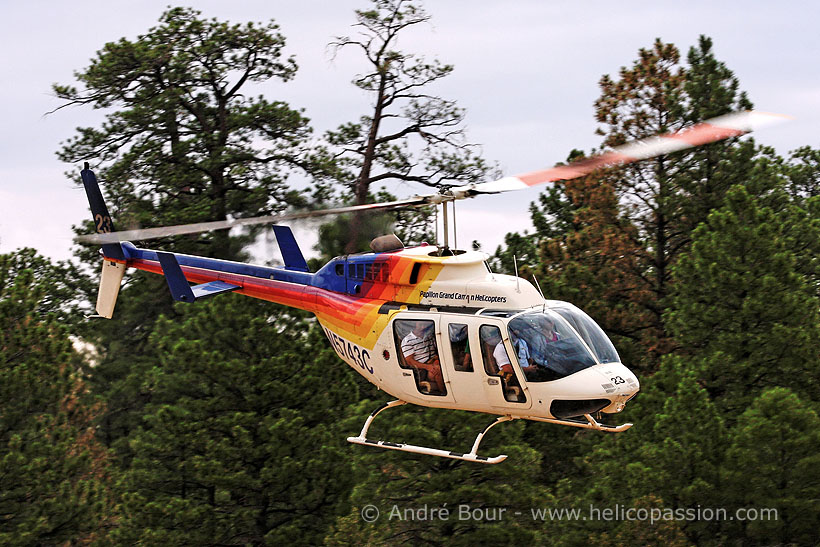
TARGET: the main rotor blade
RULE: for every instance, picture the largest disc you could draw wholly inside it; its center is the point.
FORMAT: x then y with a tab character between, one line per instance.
165	231
715	129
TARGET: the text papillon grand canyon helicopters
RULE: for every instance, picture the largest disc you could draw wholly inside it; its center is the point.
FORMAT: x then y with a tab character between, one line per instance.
430	325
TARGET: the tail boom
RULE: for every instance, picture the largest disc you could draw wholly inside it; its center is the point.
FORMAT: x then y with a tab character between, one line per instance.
278	285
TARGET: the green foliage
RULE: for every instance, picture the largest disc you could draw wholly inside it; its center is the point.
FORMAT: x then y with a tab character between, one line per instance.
186	141
124	354
58	283
742	308
772	463
406	488
804	172
52	488
671	457
608	242
238	444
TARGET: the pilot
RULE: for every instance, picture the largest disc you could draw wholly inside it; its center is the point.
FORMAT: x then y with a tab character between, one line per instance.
522	350
419	350
541	351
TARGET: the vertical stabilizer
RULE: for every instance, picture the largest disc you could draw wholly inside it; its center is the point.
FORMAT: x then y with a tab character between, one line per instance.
294	260
110	282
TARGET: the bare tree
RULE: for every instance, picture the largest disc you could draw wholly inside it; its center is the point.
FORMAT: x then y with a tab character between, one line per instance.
411	134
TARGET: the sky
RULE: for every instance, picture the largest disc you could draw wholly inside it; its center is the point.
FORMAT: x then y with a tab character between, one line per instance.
526	72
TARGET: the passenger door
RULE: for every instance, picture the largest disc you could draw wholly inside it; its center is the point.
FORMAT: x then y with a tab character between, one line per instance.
420	335
462	361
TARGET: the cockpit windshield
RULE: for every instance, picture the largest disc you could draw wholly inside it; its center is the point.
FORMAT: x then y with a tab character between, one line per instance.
592	334
547	347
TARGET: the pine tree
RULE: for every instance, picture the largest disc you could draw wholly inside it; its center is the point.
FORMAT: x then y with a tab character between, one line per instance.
804	173
608	242
704	174
489	504
666	197
54	486
772	464
239	443
185	140
742	308
593	266
671	458
411	135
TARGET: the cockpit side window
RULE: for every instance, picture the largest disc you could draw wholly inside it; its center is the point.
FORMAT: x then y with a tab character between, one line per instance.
490	340
460	347
416	342
497	363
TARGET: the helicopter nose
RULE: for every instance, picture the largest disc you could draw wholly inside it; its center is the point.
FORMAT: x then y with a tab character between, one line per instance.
604	388
618	384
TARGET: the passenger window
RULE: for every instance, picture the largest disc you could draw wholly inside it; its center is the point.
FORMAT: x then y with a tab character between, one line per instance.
497	363
460	348
418	352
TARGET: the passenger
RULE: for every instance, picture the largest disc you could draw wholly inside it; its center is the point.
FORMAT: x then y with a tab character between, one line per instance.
467	360
512	389
550	335
419	350
502	360
460	343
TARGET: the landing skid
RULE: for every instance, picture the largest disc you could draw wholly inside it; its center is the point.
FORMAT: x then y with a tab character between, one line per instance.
472	456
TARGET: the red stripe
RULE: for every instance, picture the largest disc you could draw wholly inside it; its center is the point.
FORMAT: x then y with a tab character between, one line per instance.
305	297
574	169
704	133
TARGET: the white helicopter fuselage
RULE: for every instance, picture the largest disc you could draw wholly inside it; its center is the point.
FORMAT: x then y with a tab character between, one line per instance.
465	297
478	389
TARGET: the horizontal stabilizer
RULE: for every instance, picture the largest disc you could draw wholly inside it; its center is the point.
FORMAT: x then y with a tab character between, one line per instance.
212	288
181	291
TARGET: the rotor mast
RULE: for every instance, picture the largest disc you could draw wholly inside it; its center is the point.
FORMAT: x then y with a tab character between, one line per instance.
443	198
445	225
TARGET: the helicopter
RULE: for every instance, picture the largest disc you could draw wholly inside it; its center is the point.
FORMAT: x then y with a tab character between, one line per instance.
429	325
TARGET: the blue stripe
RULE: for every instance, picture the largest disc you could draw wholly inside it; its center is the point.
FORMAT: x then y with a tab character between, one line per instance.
239	268
329	277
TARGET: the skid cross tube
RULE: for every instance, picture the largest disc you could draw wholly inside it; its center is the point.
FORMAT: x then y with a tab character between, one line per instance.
471	456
